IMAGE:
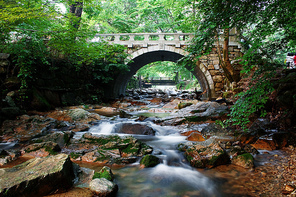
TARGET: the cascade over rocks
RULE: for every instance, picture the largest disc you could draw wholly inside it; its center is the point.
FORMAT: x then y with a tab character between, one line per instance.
107	149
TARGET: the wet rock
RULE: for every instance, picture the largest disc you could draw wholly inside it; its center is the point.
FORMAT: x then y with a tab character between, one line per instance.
156	100
245	160
250	149
172	105
103	188
108	149
42	149
37	177
280	139
248	138
149	161
106	173
201	111
61	138
142	118
235	151
139	129
264	144
123	114
195	136
27	127
8	156
74	115
213	128
183	105
259	127
106	111
201	156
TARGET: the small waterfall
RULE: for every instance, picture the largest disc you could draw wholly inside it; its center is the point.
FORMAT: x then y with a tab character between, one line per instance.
105	128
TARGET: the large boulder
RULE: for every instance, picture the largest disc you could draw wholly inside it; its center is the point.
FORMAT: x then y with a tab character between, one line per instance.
37	177
130	128
205	109
206	156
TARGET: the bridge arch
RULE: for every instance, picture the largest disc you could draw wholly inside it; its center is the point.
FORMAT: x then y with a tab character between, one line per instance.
155	53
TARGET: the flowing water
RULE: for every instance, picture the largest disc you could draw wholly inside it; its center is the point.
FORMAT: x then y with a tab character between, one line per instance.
172	177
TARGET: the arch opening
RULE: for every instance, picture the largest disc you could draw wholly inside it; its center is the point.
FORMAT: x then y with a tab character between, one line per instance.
141	60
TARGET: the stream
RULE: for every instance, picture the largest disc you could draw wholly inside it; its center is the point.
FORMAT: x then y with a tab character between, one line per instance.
172	177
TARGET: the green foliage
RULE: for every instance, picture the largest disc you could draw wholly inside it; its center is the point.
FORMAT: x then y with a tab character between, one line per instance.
251	101
74	155
28	52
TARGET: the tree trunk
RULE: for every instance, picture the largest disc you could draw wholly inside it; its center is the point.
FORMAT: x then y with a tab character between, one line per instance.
76	9
223	64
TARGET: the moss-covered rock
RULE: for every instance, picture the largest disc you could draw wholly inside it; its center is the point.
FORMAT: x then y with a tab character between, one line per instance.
42	149
183	105
245	160
109	149
105	172
149	161
200	156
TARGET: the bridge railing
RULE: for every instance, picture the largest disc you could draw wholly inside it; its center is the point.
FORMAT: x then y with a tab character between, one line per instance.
145	39
161	78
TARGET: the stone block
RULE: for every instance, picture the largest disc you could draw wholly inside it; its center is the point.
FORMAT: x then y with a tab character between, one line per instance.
217	78
217	66
219	85
211	67
214	72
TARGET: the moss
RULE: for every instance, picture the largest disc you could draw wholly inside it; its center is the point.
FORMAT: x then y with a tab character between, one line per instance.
213	160
196	118
103	140
74	155
183	105
38	141
66	138
103	174
149	161
50	150
198	111
102	156
131	149
247	157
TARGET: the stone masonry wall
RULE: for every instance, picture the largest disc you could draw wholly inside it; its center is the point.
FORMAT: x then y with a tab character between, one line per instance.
211	62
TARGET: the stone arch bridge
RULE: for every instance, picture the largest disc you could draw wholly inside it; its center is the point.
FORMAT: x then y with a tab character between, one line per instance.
146	48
